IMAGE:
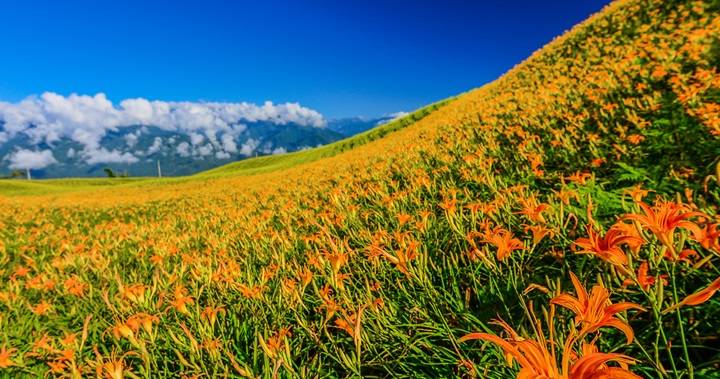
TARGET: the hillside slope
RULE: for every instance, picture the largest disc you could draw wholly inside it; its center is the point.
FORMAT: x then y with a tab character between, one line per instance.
595	159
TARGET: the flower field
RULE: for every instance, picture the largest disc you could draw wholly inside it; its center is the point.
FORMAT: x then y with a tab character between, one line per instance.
560	222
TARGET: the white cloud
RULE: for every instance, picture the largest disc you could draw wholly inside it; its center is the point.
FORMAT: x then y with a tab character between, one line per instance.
249	147
196	138
155	147
131	139
29	159
205	150
393	117
398	114
183	149
103	155
87	119
228	143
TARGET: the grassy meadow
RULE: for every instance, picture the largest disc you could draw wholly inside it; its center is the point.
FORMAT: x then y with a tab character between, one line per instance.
559	222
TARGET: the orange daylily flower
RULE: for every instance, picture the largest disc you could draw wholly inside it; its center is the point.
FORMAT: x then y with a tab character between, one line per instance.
579	177
565	195
659	72
533	210
504	241
67	355
347	323
340	280
635	139
142	320
535	163
254	292
698	297
331	307
134	292
181	300
210	313
636	241
644	280
536	359
75	286
539	232
474	208
305	276
5	357
637	193
57	367
607	247
594	311
687	256
289	286
268	273
403	258
403	218
403	255
449	204
42	308
276	342
664	218
709	237
121	329
43	343
336	259
112	369
594	366
69	339
20	272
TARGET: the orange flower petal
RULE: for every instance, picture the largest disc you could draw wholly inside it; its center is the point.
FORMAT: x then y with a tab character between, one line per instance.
703	295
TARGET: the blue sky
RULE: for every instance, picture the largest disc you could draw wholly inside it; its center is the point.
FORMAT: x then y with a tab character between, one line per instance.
341	58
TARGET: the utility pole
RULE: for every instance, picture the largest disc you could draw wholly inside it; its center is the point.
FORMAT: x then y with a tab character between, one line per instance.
27	172
159	171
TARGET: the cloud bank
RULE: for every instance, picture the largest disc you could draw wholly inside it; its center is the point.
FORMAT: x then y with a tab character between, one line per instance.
211	126
29	159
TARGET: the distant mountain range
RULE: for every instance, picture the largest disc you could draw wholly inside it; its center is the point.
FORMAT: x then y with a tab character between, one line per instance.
136	150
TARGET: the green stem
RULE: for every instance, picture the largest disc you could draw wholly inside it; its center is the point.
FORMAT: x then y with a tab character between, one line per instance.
658	318
691	373
647	355
659	331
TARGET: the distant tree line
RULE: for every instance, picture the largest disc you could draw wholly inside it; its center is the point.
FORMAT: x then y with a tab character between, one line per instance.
112	174
16	174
